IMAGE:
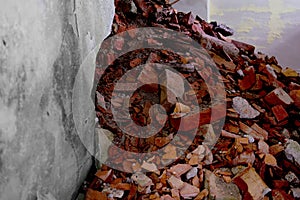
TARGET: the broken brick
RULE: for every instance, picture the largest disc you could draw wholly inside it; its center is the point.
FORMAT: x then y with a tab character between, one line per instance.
246	129
280	113
248	80
278	97
295	95
245	181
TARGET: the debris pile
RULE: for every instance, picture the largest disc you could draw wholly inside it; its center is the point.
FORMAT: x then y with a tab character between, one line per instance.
257	155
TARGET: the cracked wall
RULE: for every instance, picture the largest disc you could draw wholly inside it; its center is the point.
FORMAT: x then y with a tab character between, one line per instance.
42	46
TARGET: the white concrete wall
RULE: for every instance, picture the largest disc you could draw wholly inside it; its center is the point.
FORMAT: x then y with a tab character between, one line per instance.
42	45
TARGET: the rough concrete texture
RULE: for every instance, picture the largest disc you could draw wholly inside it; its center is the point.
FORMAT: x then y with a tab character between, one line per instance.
42	46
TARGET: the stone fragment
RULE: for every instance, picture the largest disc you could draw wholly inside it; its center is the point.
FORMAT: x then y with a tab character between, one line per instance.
188	191
175	182
280	113
219	189
251	184
278	97
292	178
141	179
192	173
112	192
238	169
180	169
243	108
296	193
263	147
292	152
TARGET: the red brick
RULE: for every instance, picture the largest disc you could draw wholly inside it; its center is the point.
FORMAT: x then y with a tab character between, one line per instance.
246	129
278	97
280	184
260	130
193	121
250	183
281	195
295	95
249	79
280	113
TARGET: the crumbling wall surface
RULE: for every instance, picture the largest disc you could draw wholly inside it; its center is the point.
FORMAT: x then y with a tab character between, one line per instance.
42	45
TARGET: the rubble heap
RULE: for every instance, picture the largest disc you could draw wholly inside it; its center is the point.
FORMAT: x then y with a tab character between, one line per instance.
257	155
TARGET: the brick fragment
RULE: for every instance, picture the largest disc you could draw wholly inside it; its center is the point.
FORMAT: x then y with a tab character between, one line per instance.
278	97
251	184
280	113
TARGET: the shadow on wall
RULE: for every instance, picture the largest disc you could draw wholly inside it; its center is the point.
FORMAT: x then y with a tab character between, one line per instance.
287	49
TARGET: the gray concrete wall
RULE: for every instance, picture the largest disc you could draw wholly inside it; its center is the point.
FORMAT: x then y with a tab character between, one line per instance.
199	7
42	46
271	25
